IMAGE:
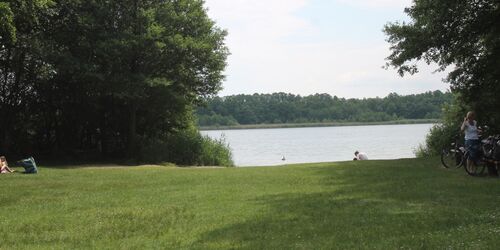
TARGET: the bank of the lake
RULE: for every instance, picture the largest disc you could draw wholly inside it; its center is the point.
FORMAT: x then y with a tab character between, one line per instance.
318	124
411	204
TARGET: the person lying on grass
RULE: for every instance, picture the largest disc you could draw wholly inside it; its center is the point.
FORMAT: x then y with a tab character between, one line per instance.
4	166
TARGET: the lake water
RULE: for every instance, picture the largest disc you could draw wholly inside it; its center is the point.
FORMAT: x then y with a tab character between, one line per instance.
266	147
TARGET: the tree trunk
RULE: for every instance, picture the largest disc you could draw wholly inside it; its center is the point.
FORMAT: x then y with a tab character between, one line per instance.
132	131
103	136
5	130
3	142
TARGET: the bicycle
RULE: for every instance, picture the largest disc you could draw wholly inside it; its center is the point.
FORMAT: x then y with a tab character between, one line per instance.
453	156
474	168
489	154
490	157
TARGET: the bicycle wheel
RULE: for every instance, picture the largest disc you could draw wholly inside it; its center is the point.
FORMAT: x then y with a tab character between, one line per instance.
450	158
474	169
459	158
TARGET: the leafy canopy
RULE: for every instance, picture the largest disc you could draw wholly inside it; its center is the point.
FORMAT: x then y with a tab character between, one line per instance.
462	35
103	77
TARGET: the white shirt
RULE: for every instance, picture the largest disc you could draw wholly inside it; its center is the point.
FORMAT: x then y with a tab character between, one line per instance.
362	157
471	132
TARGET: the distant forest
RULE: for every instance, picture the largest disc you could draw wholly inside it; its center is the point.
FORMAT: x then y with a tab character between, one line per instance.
288	108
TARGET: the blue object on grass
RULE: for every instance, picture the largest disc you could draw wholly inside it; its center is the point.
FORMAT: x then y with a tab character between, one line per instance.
29	166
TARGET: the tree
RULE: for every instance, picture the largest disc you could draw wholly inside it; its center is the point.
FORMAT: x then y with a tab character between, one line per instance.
21	64
142	63
105	77
462	35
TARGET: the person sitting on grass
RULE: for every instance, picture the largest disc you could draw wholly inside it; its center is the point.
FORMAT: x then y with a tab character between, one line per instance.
29	165
360	156
4	166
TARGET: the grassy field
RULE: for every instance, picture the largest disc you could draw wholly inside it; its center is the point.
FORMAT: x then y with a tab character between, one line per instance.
319	124
411	204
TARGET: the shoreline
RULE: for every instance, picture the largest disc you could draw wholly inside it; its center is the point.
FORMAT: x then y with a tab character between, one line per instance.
317	125
291	164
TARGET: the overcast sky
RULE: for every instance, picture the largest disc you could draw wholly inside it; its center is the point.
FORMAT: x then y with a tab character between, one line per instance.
314	46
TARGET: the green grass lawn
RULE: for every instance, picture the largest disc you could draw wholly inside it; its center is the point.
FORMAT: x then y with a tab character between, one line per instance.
374	204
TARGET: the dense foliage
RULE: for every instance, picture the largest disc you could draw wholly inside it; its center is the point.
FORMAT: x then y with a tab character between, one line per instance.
289	108
103	78
463	36
448	131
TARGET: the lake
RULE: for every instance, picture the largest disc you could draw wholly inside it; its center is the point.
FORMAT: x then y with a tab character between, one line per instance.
267	147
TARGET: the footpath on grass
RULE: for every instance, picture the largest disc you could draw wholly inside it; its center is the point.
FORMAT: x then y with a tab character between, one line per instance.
373	204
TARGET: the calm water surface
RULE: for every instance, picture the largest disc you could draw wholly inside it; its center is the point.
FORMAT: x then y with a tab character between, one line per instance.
266	147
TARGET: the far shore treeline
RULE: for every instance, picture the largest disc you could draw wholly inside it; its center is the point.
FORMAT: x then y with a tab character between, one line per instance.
283	108
108	80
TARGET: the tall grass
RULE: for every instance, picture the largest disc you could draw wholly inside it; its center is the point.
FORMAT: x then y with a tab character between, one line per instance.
215	152
317	124
187	147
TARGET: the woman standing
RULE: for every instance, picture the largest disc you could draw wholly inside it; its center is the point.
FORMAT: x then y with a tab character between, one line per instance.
472	143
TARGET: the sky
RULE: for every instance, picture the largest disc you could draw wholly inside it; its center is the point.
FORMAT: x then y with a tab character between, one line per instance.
314	46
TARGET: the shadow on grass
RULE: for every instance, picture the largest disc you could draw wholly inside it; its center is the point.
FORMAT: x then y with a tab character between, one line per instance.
375	206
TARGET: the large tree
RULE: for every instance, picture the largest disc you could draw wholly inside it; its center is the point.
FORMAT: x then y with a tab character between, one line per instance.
462	35
141	64
21	65
115	73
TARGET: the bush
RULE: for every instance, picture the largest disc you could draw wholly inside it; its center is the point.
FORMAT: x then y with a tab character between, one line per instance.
439	137
442	135
188	148
215	152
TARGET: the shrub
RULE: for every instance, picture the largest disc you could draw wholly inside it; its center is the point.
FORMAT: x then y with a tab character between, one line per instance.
440	136
215	152
444	134
188	148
